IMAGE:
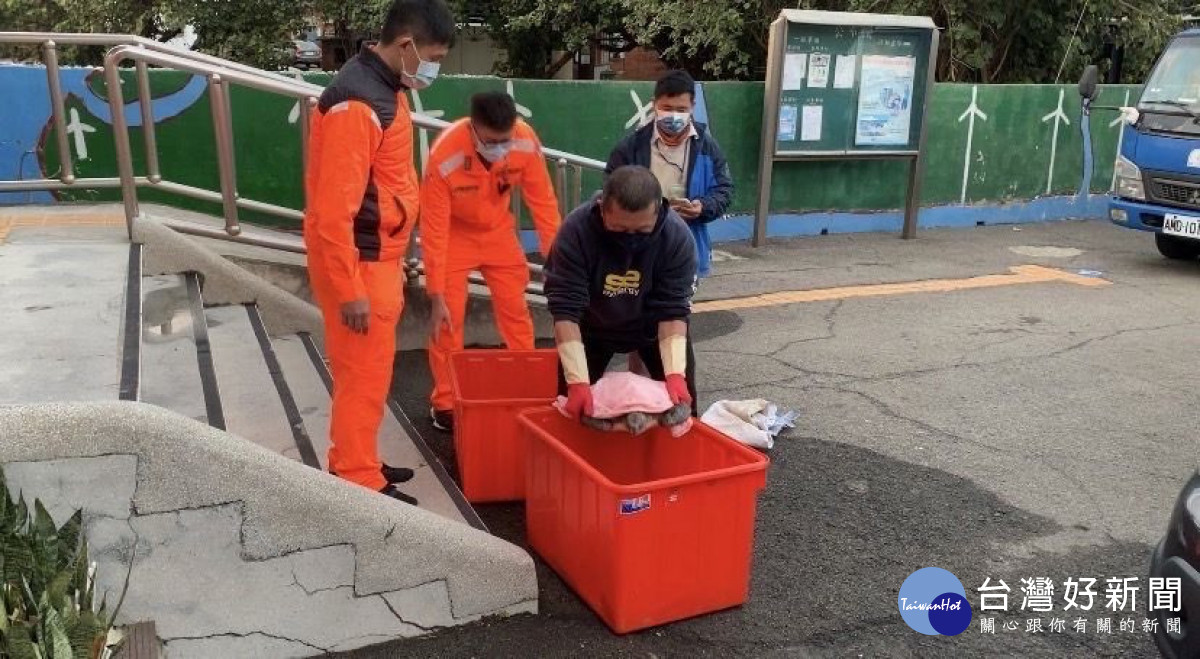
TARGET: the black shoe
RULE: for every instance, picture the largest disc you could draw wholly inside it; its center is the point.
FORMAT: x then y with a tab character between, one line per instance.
391	491
396	474
442	419
391	474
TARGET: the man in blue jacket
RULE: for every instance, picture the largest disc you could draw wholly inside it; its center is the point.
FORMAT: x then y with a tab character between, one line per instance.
685	159
619	279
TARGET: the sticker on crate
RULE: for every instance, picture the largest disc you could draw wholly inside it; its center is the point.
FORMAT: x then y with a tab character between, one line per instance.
631	506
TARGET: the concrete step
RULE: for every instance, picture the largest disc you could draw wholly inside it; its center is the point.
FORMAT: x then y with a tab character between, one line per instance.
170	362
62	293
249	397
277	394
311	385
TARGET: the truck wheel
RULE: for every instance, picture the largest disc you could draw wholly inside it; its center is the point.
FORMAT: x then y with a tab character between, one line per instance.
1174	247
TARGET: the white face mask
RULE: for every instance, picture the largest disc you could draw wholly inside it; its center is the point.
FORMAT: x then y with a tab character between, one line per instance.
426	73
491	152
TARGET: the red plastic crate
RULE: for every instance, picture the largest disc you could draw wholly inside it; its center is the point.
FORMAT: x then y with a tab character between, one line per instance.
647	530
491	387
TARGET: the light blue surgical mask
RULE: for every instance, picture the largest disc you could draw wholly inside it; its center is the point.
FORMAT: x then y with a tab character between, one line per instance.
426	73
673	123
494	152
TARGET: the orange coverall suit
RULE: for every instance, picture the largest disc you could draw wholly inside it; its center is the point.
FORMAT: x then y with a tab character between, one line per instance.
363	194
467	224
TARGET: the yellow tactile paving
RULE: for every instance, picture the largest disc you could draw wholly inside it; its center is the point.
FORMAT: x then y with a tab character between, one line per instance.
17	217
1021	274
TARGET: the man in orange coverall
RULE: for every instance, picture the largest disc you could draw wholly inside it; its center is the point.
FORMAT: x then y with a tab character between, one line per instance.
363	193
466	225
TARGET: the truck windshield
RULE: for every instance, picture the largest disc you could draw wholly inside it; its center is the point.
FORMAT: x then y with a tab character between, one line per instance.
1175	82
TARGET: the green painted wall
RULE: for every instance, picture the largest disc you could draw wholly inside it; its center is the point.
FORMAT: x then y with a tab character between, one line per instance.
1010	158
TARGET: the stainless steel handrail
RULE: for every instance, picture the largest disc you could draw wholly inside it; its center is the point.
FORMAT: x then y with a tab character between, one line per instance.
220	74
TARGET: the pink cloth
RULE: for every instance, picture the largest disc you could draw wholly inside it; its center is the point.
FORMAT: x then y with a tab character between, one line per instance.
619	393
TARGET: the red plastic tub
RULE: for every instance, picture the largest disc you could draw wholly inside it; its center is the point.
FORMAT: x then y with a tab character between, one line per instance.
491	387
647	530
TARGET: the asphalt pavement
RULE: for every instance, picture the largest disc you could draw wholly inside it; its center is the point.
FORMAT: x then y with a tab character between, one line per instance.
1027	429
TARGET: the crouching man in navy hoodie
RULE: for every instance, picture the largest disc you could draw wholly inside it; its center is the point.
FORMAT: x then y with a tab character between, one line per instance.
620	279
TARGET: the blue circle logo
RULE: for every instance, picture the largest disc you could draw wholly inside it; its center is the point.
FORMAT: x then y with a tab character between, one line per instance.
932	601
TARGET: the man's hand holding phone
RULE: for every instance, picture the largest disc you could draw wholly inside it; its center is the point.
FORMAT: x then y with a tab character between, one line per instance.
687	209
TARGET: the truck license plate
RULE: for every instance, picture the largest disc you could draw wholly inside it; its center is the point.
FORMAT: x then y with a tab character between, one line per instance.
1181	225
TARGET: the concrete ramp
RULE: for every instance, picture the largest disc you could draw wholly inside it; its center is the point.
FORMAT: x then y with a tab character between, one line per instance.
61	299
237	551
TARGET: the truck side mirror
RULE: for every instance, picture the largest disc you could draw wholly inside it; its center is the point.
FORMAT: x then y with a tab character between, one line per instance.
1087	83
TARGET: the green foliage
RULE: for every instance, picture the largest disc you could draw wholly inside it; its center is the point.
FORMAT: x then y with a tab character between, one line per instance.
991	41
1015	41
255	32
146	18
47	590
364	17
996	41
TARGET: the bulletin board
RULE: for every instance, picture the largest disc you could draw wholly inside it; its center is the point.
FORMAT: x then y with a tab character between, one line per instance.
846	86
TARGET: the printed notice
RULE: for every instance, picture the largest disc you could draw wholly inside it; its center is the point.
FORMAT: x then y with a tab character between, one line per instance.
885	100
810	123
787	124
818	70
843	73
794	65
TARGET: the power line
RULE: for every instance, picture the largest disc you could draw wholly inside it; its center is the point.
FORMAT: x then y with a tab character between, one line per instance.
1071	43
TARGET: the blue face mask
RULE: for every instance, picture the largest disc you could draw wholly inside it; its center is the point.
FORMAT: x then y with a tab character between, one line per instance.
673	123
426	73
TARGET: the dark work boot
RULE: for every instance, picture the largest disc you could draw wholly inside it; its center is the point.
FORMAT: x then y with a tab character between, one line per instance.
393	492
396	474
390	474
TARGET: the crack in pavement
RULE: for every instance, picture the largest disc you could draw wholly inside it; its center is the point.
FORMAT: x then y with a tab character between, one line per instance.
1011	335
1046	460
782	362
1043	458
276	637
889	411
1113	335
310	593
900	375
830	330
402	619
